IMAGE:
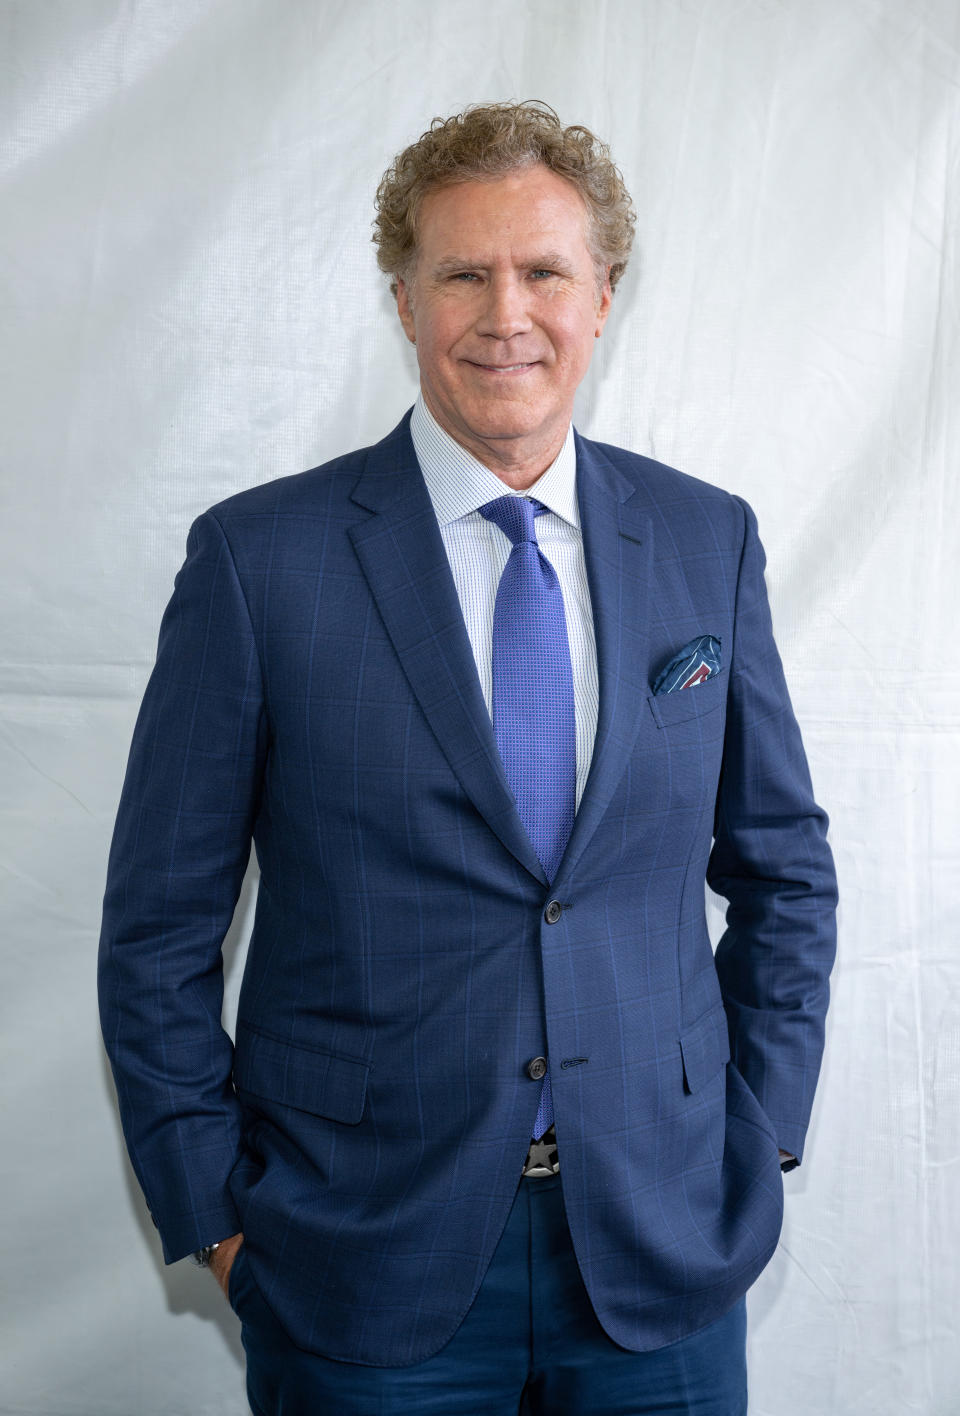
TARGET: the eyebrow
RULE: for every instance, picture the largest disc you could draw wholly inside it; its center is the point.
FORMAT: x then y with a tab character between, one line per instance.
547	260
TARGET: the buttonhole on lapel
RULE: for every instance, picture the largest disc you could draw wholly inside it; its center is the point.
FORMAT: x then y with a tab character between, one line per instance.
573	1061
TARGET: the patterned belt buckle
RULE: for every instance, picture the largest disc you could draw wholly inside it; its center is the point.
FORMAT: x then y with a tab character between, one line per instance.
542	1159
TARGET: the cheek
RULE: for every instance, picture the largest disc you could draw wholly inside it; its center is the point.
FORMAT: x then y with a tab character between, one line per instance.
434	353
576	345
439	330
572	330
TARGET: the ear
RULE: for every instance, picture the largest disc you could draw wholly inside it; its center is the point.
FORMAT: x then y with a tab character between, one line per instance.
603	305
405	310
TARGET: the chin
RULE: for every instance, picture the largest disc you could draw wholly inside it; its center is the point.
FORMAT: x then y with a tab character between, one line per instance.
494	429
502	419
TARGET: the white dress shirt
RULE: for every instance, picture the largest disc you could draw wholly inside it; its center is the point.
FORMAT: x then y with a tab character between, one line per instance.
478	551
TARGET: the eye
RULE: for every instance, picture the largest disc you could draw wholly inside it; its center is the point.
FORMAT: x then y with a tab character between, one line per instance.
465	275
542	274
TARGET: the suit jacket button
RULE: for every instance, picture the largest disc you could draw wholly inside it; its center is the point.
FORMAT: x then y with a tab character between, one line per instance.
553	912
537	1068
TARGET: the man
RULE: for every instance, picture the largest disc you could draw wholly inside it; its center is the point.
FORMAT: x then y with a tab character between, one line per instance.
492	700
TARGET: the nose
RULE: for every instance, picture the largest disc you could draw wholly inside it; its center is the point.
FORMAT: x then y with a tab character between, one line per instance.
504	312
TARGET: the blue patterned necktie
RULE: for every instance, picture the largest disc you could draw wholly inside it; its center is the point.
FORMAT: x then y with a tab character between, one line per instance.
533	708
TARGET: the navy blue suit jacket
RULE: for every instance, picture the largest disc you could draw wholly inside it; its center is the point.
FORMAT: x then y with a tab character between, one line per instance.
315	690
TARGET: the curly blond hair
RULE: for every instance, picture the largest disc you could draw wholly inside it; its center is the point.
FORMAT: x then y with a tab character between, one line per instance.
484	142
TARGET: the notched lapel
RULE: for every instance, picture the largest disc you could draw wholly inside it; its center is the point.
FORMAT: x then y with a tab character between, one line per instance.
618	546
402	555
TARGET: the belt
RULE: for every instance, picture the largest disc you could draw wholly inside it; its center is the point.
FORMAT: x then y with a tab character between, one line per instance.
542	1159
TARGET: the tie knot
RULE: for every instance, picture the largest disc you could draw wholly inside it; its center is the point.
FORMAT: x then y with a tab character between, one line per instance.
515	517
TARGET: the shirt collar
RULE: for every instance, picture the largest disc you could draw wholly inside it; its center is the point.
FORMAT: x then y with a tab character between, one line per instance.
459	484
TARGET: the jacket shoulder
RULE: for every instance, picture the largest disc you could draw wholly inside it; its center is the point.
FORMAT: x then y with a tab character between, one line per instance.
673	497
319	491
295	494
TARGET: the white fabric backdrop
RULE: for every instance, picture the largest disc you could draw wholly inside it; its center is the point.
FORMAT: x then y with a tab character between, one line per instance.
191	306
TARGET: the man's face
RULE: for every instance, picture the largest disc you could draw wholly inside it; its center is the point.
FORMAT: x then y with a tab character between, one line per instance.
504	309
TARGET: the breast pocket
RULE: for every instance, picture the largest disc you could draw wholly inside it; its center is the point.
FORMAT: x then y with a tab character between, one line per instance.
698	706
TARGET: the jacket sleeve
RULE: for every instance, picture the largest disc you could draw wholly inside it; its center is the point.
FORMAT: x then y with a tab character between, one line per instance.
771	861
180	850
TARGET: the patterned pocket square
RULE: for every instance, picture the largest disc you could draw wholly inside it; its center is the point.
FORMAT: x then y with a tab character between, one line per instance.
696	662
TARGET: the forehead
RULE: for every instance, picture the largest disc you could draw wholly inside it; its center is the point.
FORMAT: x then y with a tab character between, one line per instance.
528	207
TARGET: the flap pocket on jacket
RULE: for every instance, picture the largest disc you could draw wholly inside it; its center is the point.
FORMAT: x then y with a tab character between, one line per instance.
320	1082
686	703
705	1048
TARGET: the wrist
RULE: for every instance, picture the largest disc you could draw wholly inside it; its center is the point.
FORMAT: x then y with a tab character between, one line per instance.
215	1255
202	1257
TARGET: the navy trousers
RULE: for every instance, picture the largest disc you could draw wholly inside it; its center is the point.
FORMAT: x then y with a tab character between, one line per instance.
530	1345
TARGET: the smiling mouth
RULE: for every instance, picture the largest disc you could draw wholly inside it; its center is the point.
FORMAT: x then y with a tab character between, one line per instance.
504	368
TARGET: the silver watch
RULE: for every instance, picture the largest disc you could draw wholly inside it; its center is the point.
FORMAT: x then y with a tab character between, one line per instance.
202	1256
